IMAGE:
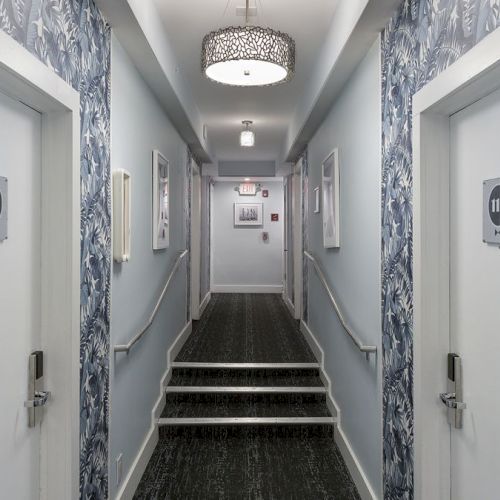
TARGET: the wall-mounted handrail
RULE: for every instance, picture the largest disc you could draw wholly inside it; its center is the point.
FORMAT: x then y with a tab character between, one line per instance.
367	349
126	347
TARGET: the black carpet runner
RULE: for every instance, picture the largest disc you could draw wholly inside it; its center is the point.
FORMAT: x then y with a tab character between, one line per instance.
246	461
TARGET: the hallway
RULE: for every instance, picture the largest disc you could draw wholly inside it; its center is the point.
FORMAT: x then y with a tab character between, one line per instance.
249	249
202	456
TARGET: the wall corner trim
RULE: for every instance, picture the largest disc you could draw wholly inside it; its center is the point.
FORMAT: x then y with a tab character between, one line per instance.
358	475
204	302
140	462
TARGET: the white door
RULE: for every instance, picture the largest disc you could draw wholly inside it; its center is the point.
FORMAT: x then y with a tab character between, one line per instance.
196	242
20	162
475	301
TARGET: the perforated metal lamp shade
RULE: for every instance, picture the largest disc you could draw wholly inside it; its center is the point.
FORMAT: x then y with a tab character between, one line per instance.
248	56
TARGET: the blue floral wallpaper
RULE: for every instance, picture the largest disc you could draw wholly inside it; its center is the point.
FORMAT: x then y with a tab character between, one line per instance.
72	38
423	38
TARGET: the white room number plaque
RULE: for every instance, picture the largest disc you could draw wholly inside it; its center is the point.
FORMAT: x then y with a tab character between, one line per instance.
491	211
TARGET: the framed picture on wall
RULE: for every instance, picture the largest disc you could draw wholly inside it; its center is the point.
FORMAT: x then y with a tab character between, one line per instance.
161	221
248	214
331	200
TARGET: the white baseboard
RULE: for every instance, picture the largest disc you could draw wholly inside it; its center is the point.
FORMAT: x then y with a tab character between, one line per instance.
313	343
290	305
149	444
351	460
138	467
176	347
247	288
204	302
358	476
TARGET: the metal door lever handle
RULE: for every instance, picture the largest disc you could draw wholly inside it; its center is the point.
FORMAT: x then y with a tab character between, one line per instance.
449	400
41	398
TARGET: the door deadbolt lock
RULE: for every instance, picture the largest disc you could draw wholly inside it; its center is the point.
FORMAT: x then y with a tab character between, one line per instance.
37	398
453	399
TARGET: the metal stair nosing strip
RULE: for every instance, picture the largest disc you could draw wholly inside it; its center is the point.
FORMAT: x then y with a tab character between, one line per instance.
244	390
247	366
207	421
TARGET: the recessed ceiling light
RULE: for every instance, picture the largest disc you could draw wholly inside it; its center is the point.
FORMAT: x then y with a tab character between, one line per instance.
247	179
248	56
247	136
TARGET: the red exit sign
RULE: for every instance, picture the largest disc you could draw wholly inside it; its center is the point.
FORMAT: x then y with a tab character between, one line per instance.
248	189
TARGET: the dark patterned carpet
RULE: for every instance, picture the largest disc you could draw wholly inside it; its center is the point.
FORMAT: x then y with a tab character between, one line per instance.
260	377
299	462
245	405
246	328
270	463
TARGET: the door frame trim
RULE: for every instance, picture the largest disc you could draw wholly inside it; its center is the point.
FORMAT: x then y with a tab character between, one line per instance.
475	75
26	79
195	254
297	229
288	217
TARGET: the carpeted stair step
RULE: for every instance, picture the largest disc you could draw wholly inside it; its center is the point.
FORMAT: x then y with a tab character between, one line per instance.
261	434
270	377
245	405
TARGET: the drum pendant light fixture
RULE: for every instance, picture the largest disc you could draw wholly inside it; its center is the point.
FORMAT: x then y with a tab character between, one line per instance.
248	56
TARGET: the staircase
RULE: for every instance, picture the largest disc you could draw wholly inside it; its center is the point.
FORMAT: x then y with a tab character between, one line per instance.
246	412
238	394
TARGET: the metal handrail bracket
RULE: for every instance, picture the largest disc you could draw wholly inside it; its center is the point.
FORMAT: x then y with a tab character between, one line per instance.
367	349
126	347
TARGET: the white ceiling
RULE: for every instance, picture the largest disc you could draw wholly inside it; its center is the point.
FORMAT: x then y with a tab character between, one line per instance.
223	108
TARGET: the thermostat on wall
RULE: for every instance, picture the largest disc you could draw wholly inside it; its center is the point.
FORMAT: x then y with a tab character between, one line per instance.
491	211
3	208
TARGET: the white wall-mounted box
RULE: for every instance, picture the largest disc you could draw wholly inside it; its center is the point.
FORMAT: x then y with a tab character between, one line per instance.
121	215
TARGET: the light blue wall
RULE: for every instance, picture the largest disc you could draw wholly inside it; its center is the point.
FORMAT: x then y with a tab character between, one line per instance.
353	270
138	126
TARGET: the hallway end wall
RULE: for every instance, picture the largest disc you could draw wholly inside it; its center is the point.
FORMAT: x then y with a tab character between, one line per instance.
242	260
139	125
353	270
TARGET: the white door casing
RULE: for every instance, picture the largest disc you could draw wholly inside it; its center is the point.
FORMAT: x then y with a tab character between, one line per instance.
288	246
297	238
474	76
24	78
195	241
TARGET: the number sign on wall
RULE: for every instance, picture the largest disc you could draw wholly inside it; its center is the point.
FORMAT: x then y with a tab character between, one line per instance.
491	211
